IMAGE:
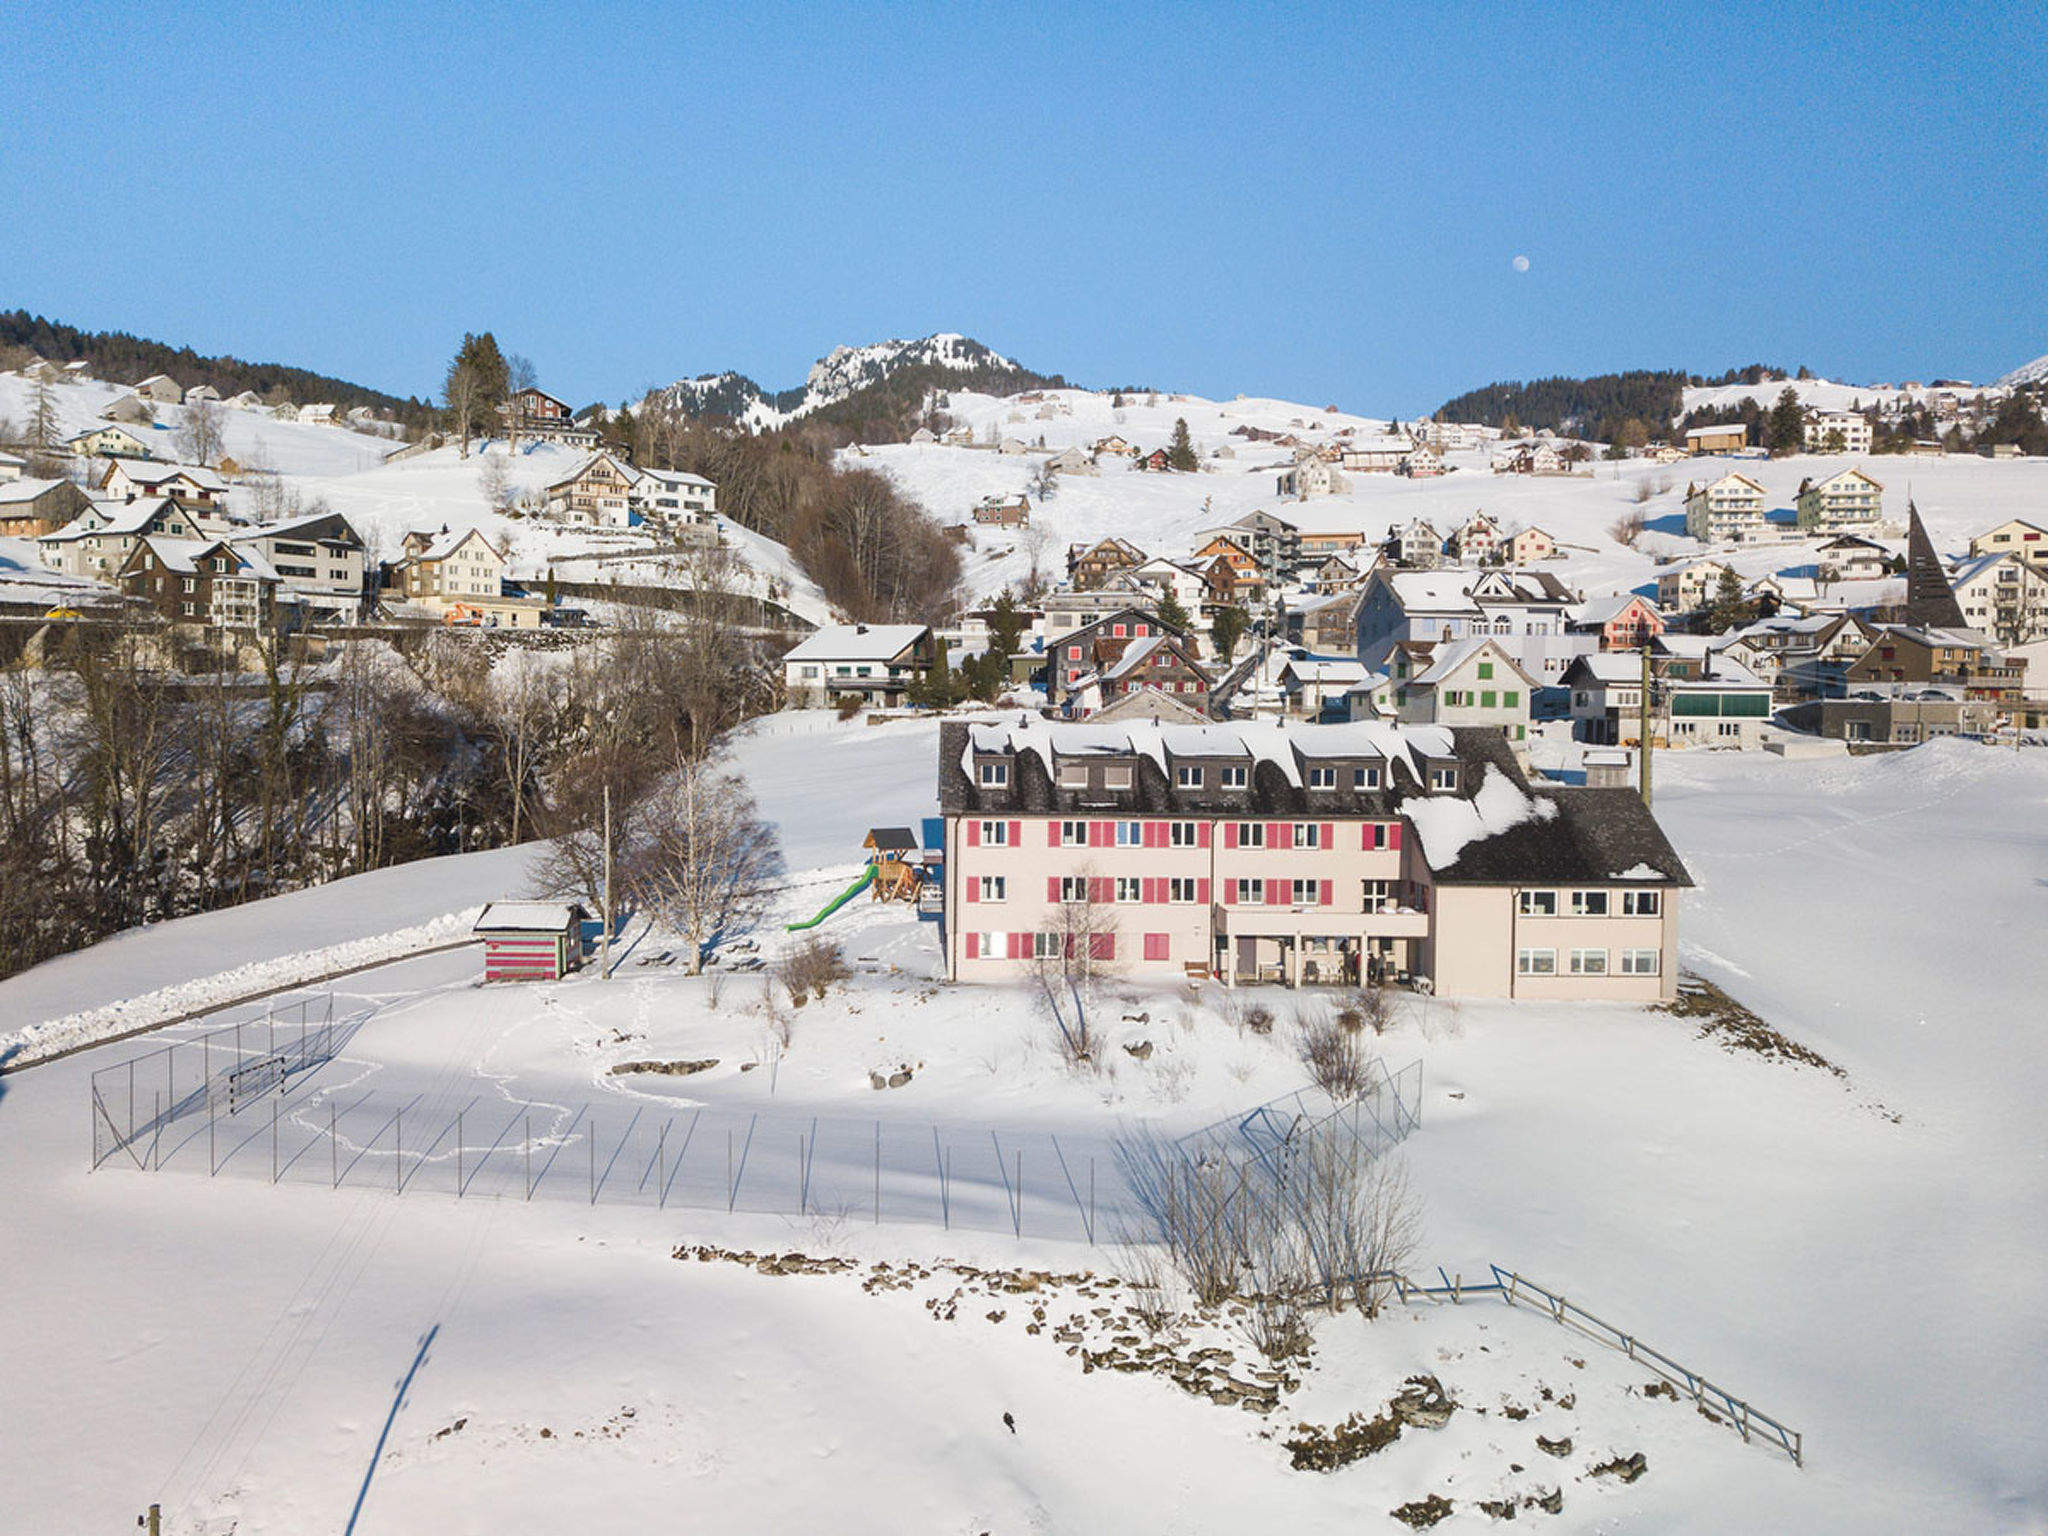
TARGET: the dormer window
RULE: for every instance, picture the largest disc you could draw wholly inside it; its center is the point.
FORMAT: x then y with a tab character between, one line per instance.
995	775
1185	777
1365	778
1234	778
1443	777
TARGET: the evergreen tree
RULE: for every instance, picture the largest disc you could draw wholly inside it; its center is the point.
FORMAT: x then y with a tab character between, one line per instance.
1180	453
1226	630
1005	626
1172	614
1727	609
1785	430
476	384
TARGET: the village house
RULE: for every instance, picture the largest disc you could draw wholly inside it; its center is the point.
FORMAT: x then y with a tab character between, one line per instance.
669	501
1321	687
1272	541
439	571
1712	702
1011	445
31	508
1529	545
1732	437
109	442
2004	596
1334	573
1899	717
1348	542
1836	432
1472	682
1852	557
130	411
1537	458
1527	611
1067	609
1003	511
1477	540
1624	622
1327	624
1729	510
1799	655
319	414
923	437
1904	653
598	493
318	560
1111	444
1072	461
1075	658
161	388
189	485
194	581
1161	663
1095	564
1422	462
1417	545
98	541
1378	455
1159	576
1689	587
201	392
1843	502
1234	577
1299	855
247	400
1308	476
873	663
12	466
2014	536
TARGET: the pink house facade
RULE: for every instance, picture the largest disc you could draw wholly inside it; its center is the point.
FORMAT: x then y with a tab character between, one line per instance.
1298	855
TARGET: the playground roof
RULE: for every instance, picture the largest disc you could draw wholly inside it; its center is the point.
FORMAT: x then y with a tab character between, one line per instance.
890	840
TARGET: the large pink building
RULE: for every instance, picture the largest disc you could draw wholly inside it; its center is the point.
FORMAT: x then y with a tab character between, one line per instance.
1299	854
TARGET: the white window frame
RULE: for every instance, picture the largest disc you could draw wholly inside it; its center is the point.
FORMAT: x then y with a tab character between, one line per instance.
1251	834
1073	889
1182	834
995	834
1252	892
1187	776
1642	962
1307	893
1236	778
1046	945
1322	778
1073	834
1129	890
1589	962
1591	904
1443	778
1365	778
1117	776
1182	890
1537	903
1129	834
995	775
1073	775
994	887
1308	834
1536	962
1642	903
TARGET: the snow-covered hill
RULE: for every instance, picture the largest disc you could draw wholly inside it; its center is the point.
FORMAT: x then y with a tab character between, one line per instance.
2027	373
840	374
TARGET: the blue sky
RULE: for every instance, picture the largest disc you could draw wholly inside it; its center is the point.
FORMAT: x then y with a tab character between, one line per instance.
1320	202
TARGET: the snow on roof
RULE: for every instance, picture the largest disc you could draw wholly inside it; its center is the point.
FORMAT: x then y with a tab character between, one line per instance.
1604	610
856	642
676	477
1275	742
1613	668
1445	591
292	525
1733	426
526	917
1311	669
24	490
182	556
1447	823
152	473
1446	659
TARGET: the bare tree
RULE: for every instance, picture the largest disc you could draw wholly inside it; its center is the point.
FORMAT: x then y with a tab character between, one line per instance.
200	439
494	479
519	375
699	858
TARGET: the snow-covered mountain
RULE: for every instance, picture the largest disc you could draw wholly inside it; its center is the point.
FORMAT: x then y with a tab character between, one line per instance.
2035	372
839	375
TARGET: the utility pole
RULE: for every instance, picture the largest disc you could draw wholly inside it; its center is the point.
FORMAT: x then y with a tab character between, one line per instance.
153	1521
604	962
1643	751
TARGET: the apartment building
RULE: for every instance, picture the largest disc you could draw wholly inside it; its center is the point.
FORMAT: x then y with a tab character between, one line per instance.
1299	855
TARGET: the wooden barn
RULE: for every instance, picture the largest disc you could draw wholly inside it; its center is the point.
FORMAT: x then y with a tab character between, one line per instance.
530	940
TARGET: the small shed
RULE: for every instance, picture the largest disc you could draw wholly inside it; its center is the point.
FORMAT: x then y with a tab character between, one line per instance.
894	853
530	940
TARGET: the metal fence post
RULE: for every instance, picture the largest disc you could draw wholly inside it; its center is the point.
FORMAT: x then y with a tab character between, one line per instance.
458	1154
333	1150
529	1157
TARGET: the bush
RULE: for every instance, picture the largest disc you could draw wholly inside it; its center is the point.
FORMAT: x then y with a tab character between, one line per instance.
807	970
849	706
1626	529
1332	1054
1258	1018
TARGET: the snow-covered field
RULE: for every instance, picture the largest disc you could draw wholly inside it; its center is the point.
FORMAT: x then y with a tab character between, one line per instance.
1855	1254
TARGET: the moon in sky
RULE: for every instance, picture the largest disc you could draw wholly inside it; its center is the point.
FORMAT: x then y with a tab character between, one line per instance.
1521	263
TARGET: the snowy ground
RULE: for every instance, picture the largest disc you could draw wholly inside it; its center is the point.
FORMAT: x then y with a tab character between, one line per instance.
1854	1254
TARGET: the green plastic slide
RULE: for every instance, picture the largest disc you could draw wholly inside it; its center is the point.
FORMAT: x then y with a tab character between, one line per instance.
867	878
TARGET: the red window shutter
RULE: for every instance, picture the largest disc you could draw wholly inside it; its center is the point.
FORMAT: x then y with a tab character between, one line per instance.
1016	946
1280	834
1100	889
1277	893
1202	892
1144	631
974	834
1394	836
973	946
1158	947
1230	834
1102	946
1328	837
1052	834
1202	835
1052	887
973	889
1326	895
1098	834
1016	834
1232	891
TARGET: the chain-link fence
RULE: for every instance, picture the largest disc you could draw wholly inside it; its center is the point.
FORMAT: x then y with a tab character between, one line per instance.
235	1102
225	1072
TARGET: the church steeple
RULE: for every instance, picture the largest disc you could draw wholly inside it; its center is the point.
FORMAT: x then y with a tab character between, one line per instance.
1930	600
